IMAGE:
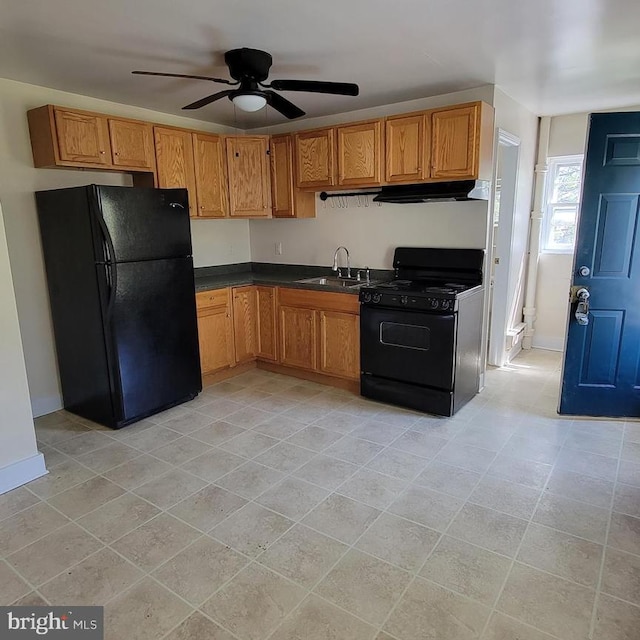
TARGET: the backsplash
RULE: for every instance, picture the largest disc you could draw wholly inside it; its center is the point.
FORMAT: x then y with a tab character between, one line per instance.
371	233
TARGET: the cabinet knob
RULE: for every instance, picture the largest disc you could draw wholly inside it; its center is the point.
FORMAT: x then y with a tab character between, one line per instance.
102	153
115	153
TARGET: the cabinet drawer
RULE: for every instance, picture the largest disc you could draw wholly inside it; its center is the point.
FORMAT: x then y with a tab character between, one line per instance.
215	298
325	300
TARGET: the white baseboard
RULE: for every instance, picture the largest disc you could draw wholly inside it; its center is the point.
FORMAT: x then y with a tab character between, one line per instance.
21	472
42	406
550	343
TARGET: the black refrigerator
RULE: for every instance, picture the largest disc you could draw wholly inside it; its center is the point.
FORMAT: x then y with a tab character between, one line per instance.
120	275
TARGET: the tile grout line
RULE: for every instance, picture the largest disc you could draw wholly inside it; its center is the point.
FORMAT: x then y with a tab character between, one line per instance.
437	543
517	552
596	602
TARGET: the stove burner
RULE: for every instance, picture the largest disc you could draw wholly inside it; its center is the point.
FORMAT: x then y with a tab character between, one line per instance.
426	287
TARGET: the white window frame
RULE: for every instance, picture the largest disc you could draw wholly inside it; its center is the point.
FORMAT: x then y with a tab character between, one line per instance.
552	165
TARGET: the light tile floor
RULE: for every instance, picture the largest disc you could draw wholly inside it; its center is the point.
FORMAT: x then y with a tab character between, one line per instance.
275	508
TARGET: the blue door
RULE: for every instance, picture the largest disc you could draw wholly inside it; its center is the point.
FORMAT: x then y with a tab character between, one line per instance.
602	360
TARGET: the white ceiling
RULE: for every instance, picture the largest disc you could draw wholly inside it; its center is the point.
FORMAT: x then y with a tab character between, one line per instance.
553	56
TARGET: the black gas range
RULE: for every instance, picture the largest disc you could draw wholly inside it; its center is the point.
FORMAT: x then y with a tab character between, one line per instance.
420	334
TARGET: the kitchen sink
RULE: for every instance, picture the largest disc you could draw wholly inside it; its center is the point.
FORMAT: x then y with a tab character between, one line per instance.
333	281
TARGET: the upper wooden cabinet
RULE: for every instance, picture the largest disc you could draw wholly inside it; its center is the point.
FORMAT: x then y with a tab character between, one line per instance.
315	158
232	176
452	143
244	323
132	144
82	137
406	144
210	176
360	154
287	200
174	157
68	138
462	142
71	138
249	176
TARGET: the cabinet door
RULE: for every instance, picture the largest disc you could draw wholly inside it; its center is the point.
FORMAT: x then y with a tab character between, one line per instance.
282	177
315	158
405	148
249	179
244	323
340	344
131	144
82	137
174	157
360	154
298	337
211	176
454	137
267	321
215	334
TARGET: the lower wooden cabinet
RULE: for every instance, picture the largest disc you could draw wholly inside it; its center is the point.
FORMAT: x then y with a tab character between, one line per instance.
215	330
339	339
245	338
310	330
320	331
267	321
298	337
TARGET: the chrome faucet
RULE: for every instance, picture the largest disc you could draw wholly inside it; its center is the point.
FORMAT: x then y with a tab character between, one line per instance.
335	262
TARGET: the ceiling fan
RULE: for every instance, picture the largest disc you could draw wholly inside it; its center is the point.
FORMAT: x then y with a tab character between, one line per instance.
250	68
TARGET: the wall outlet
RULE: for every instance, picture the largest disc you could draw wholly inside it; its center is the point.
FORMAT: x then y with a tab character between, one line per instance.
278	248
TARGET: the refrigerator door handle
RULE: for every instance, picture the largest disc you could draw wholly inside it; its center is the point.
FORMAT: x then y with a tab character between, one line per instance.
176	205
109	263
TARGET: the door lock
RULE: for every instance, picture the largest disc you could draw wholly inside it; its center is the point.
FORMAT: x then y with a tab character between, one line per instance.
582	296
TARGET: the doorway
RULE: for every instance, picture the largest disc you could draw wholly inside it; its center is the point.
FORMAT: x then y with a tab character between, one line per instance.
499	260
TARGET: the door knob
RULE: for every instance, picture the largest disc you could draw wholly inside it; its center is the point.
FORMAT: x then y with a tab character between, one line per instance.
582	310
584	271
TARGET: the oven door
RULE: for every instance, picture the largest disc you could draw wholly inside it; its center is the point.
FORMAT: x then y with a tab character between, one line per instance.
408	346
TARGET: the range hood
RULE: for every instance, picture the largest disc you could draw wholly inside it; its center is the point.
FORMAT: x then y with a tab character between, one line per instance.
435	192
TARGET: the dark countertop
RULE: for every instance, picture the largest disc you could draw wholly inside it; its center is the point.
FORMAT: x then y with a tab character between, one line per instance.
279	275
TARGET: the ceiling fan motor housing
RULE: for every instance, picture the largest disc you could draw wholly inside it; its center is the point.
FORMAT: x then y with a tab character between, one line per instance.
251	64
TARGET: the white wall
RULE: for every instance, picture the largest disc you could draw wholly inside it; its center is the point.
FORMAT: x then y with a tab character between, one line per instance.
513	118
371	233
215	242
568	136
17	435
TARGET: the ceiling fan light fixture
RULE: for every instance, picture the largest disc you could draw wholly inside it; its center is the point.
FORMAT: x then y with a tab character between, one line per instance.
249	101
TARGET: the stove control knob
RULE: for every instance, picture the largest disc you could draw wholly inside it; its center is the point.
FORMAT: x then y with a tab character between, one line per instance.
404	300
366	297
433	303
446	304
377	297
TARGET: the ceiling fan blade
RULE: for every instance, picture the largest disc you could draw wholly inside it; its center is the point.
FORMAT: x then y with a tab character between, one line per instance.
286	108
209	99
338	88
182	75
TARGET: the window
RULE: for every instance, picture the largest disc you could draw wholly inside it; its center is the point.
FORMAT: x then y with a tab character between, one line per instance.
562	200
